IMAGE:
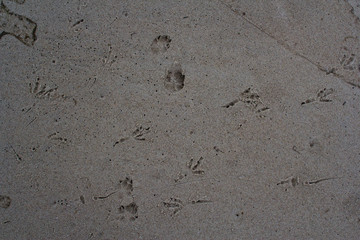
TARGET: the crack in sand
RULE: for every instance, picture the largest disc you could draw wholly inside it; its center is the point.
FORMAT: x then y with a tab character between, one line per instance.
288	48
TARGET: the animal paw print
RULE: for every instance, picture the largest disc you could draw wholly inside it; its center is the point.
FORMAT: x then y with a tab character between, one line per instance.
160	44
62	202
252	100
109	59
322	96
139	133
55	137
194	166
348	62
180	176
127	185
42	91
174	79
292	181
324	93
129	209
5	201
295	181
174	205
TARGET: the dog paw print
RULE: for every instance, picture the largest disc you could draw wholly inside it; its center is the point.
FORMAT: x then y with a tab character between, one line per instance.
130	210
5	201
127	185
174	79
70	203
174	205
194	166
62	202
160	44
322	96
21	27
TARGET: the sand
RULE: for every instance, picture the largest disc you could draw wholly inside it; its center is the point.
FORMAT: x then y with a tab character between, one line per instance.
189	119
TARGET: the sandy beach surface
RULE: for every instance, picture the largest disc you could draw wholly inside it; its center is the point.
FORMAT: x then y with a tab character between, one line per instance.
193	119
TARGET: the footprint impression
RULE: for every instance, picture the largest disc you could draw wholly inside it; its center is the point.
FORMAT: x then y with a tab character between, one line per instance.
160	44
128	207
174	79
5	201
